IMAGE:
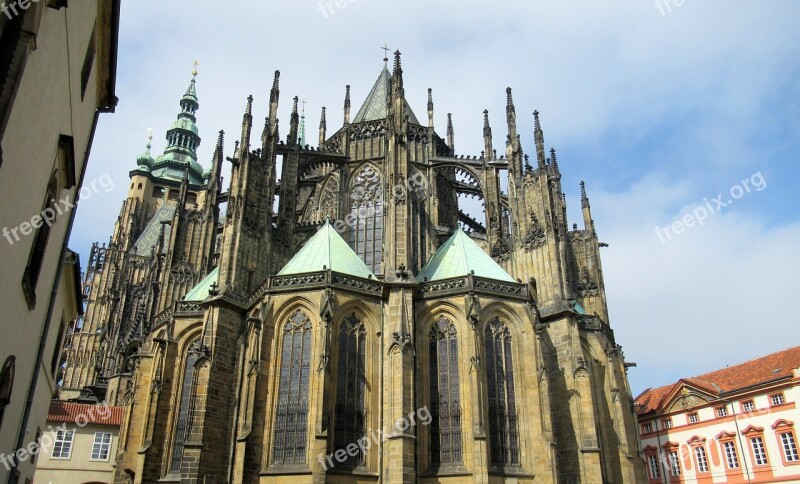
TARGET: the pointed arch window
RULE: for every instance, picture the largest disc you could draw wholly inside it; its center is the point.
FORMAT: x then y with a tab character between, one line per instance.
366	212
503	432
350	414
291	413
445	430
184	425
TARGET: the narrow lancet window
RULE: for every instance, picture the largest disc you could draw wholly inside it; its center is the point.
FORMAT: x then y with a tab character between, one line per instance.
184	425
350	413
503	433
291	413
445	400
366	217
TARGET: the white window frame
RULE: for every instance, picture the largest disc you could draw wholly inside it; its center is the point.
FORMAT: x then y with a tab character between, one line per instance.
667	423
62	444
789	446
674	463
759	451
748	406
722	411
99	446
647	428
731	457
777	399
702	458
693	417
652	461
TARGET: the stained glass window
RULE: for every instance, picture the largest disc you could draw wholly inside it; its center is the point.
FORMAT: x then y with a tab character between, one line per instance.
445	400
291	413
503	432
366	217
350	414
183	426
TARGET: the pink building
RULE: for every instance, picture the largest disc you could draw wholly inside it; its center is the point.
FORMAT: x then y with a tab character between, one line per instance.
735	425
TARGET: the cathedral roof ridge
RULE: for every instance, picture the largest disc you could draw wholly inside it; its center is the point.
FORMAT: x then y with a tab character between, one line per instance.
376	105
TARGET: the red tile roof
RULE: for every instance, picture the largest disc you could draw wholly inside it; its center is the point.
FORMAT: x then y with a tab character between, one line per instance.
750	373
84	413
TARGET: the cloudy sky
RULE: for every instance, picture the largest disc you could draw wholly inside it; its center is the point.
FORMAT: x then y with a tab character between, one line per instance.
660	107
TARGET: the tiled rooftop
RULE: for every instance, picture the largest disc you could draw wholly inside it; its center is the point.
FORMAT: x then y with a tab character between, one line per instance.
750	373
61	411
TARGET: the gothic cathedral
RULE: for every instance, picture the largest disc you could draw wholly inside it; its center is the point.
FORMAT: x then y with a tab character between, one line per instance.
344	320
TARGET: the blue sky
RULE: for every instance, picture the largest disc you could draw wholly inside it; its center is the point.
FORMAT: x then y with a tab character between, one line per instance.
656	109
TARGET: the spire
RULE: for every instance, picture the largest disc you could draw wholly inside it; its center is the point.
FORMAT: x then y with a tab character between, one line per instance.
247	124
584	198
487	133
145	161
323	125
554	159
450	133
294	122
430	108
511	115
214	179
272	121
301	137
397	74
587	211
538	137
346	105
183	138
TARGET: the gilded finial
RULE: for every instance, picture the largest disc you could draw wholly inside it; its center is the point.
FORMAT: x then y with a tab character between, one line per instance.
149	138
194	69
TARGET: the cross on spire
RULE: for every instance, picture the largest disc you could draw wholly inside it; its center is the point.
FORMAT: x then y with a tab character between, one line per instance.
386	50
194	68
303	112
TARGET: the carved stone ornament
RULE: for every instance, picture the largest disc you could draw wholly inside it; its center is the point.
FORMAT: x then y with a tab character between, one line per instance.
535	236
587	287
501	252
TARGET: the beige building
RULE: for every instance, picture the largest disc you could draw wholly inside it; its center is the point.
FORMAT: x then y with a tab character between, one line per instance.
57	74
79	445
357	333
735	425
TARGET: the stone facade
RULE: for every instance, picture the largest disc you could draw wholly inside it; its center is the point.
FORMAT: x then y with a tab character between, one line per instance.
57	76
266	375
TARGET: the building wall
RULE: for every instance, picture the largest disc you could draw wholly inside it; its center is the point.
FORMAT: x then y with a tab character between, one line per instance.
46	106
738	426
79	468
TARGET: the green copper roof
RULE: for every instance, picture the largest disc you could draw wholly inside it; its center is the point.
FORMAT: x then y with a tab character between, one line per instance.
183	138
458	257
376	105
200	291
327	250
